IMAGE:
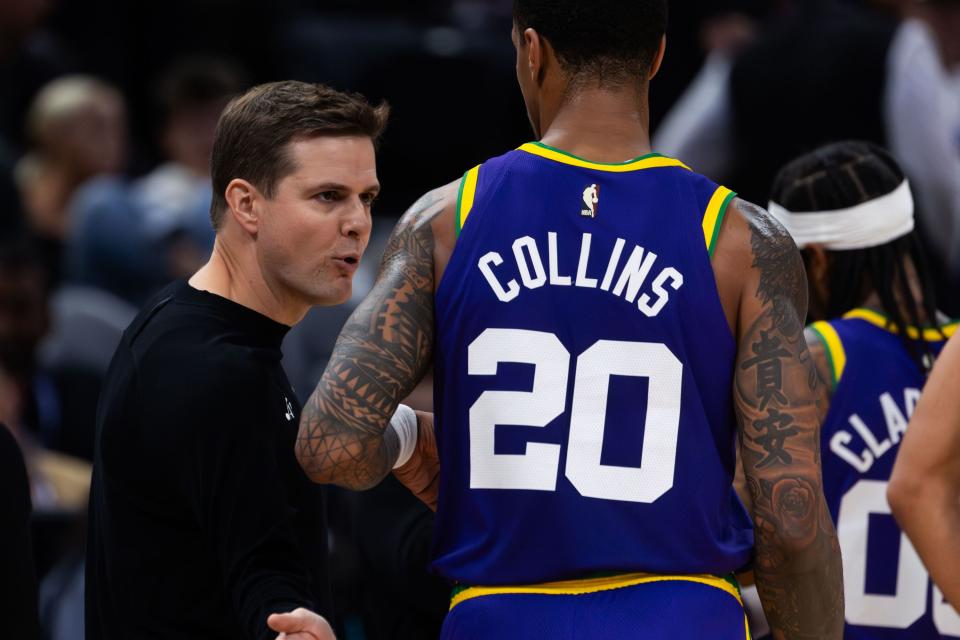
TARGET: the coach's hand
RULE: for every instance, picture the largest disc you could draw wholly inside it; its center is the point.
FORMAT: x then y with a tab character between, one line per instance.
301	624
421	474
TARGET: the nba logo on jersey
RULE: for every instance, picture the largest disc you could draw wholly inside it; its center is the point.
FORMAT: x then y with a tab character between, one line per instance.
591	196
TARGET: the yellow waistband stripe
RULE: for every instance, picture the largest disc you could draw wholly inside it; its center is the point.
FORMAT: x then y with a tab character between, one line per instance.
593	585
468	190
713	217
836	356
880	320
650	161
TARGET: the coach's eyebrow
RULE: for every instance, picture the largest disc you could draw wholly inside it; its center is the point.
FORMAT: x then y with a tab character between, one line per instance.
336	186
328	186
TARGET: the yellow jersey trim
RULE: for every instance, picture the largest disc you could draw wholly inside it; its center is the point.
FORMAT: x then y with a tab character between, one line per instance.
649	161
466	195
593	585
880	320
836	356
713	218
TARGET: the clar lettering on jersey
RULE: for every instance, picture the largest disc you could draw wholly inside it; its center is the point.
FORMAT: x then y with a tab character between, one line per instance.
872	447
624	281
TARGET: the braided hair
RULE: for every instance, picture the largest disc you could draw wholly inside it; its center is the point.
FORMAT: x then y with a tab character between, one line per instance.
843	175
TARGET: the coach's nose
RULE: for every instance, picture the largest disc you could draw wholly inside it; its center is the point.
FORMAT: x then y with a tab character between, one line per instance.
357	221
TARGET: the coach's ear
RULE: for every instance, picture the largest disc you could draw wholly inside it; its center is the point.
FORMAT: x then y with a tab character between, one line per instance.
241	197
658	57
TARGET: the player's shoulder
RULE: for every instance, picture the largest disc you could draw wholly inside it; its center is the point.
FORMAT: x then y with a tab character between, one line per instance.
818	336
756	225
522	162
754	240
442	209
756	263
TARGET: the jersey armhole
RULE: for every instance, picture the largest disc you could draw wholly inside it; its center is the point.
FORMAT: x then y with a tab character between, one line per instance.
713	216
950	328
465	197
836	356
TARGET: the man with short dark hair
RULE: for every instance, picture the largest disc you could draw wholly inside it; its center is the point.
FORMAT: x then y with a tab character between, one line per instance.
201	522
604	326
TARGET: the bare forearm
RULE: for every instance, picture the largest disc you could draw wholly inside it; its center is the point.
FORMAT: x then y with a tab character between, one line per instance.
797	554
931	518
801	589
337	446
924	489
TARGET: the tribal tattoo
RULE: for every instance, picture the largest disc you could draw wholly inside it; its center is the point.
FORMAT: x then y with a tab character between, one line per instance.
383	351
778	400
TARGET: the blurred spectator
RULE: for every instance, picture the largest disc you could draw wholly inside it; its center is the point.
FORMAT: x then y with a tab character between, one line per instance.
159	224
18	582
814	75
922	104
56	408
829	71
107	248
85	328
175	197
46	409
77	127
30	57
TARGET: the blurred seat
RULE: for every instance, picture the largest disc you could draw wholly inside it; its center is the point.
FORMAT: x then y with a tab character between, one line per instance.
86	326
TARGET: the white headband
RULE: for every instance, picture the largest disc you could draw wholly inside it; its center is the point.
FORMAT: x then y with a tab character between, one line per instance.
865	225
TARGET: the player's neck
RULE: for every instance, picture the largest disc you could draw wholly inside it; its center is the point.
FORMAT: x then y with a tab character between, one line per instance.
601	125
873	300
234	273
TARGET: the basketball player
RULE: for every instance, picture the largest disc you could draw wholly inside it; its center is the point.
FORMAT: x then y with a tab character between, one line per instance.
589	360
850	209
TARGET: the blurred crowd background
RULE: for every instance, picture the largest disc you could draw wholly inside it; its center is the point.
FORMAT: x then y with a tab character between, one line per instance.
107	114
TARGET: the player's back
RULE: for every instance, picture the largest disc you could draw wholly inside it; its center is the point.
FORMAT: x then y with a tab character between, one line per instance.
583	368
877	384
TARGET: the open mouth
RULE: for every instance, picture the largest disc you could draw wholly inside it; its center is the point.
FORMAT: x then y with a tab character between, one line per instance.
349	262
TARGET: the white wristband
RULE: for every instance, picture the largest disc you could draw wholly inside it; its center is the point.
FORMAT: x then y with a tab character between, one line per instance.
404	424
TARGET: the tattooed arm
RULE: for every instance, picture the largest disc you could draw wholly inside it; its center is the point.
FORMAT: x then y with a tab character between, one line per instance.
821	365
777	393
383	351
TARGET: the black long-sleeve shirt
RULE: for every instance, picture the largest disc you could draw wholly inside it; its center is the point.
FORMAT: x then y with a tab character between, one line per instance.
201	521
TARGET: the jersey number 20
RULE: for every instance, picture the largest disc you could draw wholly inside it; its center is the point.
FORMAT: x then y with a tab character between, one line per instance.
538	467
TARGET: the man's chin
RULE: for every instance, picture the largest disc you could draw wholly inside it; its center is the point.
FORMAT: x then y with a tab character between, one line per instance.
333	298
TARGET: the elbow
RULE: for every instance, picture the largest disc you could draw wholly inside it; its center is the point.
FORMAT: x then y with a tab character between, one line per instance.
342	467
906	489
315	465
899	492
915	497
359	483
